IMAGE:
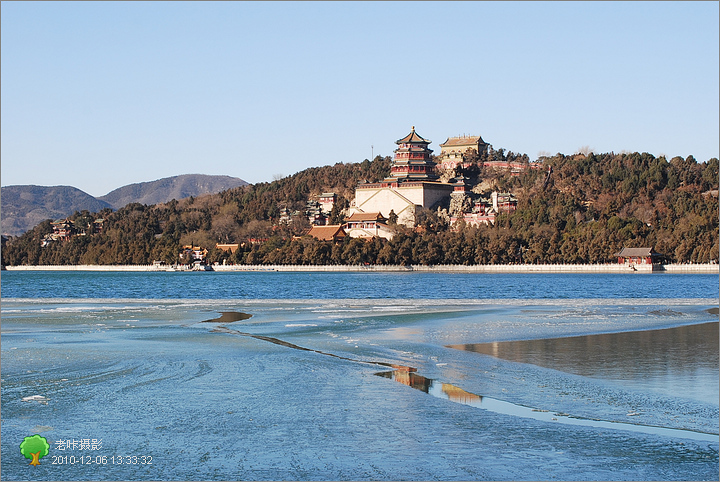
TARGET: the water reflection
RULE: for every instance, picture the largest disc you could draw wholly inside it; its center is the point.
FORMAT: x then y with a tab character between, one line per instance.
678	361
428	385
456	394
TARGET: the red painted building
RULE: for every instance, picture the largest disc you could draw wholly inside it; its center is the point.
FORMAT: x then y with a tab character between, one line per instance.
634	256
412	160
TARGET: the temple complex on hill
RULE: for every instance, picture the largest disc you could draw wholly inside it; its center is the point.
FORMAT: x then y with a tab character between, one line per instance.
413	183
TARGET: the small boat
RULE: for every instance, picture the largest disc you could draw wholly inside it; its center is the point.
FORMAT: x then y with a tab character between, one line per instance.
198	266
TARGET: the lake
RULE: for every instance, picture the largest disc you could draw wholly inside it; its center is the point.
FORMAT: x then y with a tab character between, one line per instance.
360	376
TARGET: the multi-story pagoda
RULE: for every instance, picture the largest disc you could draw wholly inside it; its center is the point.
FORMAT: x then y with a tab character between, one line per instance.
412	159
412	183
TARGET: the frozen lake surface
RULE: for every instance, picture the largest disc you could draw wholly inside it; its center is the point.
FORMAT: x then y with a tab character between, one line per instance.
605	388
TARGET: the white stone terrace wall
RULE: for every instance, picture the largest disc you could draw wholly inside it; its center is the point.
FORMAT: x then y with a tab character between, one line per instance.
498	268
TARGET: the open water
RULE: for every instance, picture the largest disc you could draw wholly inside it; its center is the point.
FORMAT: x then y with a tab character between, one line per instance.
360	376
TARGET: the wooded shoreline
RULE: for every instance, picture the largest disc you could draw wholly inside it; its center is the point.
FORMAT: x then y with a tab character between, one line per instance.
708	268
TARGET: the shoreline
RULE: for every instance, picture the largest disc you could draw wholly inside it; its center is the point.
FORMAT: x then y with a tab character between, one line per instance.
705	268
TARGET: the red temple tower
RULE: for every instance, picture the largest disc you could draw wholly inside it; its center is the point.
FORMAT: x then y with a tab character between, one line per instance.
412	160
412	184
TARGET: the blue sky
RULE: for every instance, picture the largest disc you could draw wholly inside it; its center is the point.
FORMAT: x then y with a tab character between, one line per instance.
99	95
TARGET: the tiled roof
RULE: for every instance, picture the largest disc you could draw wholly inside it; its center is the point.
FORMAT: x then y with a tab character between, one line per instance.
412	137
628	252
463	141
364	217
327	233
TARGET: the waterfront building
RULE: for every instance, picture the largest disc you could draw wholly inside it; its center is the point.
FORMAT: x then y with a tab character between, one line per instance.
191	253
633	256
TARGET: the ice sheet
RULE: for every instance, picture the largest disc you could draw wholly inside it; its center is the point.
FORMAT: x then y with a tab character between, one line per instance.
148	377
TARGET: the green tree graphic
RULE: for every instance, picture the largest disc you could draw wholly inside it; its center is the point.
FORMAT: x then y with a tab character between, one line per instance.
35	448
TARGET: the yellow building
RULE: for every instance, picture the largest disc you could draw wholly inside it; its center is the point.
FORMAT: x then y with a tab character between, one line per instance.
455	150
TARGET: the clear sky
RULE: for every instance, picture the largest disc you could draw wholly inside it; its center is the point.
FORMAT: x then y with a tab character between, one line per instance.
99	95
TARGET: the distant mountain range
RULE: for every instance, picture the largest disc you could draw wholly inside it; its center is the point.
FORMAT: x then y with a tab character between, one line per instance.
23	207
164	190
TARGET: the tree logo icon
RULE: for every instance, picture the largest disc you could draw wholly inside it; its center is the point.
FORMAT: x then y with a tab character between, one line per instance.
35	448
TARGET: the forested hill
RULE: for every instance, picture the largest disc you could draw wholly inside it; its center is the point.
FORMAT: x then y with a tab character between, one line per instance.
591	207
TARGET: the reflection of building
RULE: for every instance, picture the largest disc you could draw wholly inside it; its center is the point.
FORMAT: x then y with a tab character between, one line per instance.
428	385
412	379
368	225
457	394
457	150
412	183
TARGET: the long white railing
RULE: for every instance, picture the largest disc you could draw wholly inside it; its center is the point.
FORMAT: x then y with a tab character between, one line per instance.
496	268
